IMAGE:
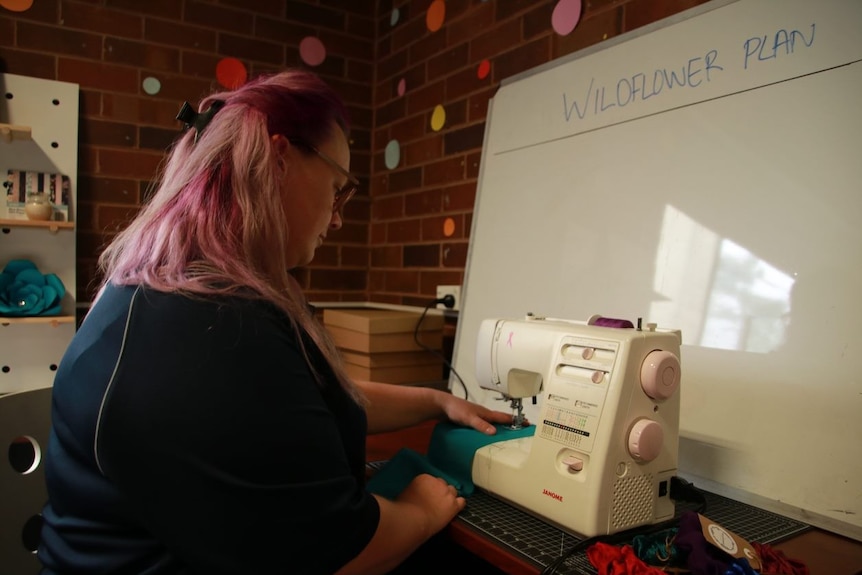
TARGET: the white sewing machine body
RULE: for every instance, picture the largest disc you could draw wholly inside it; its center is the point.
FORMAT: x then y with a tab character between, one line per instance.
605	445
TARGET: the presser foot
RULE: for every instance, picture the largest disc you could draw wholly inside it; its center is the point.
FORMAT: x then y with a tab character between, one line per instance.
517	415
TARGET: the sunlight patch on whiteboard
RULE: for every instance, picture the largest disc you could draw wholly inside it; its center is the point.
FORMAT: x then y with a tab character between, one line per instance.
717	292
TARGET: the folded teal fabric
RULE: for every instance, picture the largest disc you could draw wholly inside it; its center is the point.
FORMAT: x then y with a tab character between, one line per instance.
401	469
450	457
25	291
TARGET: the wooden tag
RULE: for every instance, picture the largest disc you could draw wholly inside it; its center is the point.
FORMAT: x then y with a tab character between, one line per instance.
729	542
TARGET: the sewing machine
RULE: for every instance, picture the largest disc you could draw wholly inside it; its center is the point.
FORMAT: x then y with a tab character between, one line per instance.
605	444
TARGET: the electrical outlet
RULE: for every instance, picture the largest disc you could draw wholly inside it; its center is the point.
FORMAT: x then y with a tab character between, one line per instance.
455	291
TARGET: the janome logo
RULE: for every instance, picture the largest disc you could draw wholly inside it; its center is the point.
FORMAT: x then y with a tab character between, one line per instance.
552	495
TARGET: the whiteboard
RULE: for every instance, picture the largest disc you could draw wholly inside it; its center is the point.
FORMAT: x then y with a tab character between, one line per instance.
704	174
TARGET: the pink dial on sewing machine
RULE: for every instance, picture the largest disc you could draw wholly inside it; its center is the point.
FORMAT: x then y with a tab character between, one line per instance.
660	374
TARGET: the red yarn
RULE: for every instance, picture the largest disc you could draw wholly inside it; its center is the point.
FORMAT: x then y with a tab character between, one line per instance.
775	562
611	560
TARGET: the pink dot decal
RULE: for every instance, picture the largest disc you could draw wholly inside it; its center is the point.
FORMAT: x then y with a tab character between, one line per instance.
435	15
483	70
312	51
231	73
566	15
402	86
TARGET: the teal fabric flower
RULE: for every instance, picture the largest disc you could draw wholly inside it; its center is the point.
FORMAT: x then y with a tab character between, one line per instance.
24	291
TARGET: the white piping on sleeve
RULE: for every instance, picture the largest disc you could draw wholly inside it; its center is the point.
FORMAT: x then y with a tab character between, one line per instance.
111	381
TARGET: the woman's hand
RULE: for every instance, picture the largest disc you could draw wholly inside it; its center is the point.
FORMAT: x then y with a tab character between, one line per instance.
438	500
471	414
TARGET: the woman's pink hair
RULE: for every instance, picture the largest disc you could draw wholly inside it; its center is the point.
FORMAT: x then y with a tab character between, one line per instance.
215	225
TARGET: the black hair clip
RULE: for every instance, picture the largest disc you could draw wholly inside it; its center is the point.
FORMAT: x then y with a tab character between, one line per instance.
196	120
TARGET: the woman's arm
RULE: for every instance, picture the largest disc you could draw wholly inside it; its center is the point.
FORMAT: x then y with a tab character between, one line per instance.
424	508
392	407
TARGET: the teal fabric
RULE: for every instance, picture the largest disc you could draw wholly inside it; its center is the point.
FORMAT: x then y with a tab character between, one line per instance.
450	457
25	291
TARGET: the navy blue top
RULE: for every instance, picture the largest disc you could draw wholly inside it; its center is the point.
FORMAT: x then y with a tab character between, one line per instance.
189	436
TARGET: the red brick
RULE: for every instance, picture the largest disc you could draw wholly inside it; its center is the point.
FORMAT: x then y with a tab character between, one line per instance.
59	40
170	9
271	7
427	46
114	218
179	35
445	171
478	104
422	151
102	133
355	256
455	255
102	20
107	190
29	64
589	31
524	57
465	29
421	203
464	139
497	40
98	75
123	163
402	281
389	208
141	110
403	231
324	17
426	97
142	55
461	196
218	17
251	49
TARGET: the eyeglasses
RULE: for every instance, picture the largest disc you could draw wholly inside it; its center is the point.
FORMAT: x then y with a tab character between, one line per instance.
345	192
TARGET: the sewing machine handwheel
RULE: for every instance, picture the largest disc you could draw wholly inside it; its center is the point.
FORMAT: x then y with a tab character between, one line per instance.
660	374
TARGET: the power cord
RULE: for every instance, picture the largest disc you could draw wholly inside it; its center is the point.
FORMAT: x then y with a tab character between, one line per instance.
680	490
449	301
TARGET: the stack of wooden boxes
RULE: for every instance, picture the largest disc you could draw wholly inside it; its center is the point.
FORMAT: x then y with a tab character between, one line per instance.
379	344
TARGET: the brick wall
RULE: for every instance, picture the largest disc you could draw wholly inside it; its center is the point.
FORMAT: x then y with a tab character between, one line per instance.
412	249
408	230
109	47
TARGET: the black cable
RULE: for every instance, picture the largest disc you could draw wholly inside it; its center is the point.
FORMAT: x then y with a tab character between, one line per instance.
445	301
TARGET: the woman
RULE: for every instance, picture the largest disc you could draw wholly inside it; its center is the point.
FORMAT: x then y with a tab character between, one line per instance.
202	422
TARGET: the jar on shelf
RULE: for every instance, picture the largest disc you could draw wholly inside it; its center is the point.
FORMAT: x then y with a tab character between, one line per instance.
38	207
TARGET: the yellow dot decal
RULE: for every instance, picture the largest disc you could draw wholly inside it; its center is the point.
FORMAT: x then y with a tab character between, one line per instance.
438	118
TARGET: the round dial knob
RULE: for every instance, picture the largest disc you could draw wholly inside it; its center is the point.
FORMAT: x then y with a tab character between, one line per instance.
660	374
645	440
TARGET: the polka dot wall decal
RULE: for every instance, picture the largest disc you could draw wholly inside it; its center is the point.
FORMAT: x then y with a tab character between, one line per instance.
435	15
393	18
483	70
402	86
392	154
152	86
231	73
312	51
438	118
448	227
566	15
16	5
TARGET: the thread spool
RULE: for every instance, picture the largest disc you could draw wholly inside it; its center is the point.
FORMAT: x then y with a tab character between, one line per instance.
610	322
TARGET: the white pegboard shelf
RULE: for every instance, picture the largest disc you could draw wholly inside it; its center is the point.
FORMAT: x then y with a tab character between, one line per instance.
10	132
53	320
38	133
52	227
